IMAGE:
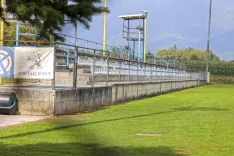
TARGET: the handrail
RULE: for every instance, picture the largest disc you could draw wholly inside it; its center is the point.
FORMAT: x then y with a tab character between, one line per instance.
1	107
106	57
38	41
85	40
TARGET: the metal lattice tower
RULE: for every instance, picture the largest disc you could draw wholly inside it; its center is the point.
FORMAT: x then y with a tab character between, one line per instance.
134	30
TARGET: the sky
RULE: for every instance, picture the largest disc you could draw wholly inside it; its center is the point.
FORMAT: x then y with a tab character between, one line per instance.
180	22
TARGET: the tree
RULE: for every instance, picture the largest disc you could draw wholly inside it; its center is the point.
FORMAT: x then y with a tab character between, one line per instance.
49	16
10	34
115	52
187	54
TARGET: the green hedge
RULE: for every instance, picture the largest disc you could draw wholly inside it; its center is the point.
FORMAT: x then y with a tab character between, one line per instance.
215	68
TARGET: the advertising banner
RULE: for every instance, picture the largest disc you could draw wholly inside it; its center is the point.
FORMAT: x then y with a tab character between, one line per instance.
33	63
6	62
26	63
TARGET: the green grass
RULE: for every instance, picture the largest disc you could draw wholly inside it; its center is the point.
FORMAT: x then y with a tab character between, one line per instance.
197	122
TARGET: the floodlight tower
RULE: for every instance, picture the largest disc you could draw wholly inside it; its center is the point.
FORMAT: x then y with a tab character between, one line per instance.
2	30
145	33
136	33
2	25
104	29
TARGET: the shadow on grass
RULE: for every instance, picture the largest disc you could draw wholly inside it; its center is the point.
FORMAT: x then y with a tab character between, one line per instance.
112	120
199	108
79	149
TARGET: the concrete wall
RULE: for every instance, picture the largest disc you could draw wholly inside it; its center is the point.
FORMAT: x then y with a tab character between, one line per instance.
81	100
86	99
32	101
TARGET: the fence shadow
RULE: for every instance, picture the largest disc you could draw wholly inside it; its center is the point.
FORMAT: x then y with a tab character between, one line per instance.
199	109
81	149
174	110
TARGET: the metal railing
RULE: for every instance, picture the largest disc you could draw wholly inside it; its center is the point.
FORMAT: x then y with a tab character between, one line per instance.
95	67
119	52
115	51
105	69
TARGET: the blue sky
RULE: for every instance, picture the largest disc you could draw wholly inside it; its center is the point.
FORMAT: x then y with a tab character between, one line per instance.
181	22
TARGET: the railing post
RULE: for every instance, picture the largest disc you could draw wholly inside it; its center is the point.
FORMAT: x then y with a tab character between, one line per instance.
108	68
137	70
94	61
87	46
75	68
17	34
156	73
119	72
168	72
51	42
54	66
150	73
96	45
161	74
171	74
144	72
129	69
180	72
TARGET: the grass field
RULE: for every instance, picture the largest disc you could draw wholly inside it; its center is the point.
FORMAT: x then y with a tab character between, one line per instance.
197	122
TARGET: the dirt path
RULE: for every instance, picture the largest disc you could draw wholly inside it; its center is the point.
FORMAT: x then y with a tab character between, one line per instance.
11	120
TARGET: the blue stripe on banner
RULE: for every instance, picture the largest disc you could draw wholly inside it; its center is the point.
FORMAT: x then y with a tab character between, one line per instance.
6	62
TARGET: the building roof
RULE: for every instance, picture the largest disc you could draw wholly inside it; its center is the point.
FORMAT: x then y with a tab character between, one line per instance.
133	17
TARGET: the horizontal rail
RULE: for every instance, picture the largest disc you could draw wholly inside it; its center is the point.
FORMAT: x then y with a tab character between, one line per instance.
86	40
91	54
24	41
1	107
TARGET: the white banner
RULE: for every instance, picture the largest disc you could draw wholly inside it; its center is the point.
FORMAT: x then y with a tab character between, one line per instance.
34	63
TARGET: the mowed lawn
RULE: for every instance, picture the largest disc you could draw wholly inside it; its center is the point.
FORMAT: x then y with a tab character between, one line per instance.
197	122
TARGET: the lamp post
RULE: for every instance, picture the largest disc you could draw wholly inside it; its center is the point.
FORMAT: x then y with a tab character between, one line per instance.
145	33
2	25
2	32
104	31
208	39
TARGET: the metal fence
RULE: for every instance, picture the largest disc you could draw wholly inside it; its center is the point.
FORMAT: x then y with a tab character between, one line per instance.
77	66
123	52
95	67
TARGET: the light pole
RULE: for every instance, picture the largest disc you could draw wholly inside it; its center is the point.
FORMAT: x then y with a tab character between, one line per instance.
76	31
145	33
208	39
104	31
75	58
2	32
2	25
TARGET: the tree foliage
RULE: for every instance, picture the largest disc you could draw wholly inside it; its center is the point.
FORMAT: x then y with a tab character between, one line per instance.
187	54
49	16
220	68
10	34
195	60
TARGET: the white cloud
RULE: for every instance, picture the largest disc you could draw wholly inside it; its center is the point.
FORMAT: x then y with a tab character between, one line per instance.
223	16
165	35
196	25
